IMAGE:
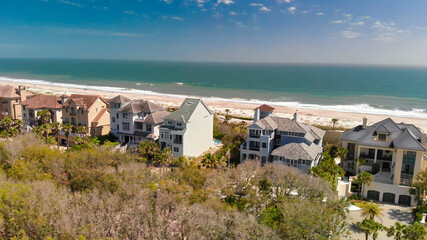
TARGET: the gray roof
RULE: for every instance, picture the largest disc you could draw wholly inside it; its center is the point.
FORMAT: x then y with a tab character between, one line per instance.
120	99
186	110
155	117
297	151
273	122
141	106
403	136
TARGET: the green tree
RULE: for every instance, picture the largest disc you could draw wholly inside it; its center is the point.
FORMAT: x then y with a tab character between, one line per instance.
365	178
370	210
327	169
147	150
46	130
12	126
369	226
67	128
396	231
163	158
419	188
44	116
414	232
56	129
334	121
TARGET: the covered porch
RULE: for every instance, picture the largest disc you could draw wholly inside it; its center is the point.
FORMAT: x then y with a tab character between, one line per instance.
372	156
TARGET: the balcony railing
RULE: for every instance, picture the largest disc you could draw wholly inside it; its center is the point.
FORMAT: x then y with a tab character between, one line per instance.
254	136
253	148
176	141
73	113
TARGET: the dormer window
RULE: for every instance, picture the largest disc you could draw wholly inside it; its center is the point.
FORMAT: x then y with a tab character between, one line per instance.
178	124
382	137
169	122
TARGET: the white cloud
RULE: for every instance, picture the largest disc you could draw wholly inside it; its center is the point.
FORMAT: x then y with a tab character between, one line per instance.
65	31
167	1
129	12
227	2
256	4
305	11
320	14
177	18
337	21
292	9
71	3
350	34
265	9
233	13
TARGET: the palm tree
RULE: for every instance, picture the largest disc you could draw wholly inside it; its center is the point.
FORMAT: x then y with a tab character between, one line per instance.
414	232
369	226
7	124
396	231
163	158
362	179
44	116
56	128
46	129
334	121
67	130
147	150
371	210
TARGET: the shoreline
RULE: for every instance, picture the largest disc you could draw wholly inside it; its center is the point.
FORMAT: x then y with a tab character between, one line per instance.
236	107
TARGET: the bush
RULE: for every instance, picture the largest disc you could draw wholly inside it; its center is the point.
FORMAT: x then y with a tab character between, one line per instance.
355	197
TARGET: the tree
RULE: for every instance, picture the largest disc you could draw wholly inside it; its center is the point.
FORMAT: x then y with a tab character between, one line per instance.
163	158
396	231
369	226
365	178
370	210
46	129
334	121
56	129
327	169
67	128
414	232
12	126
147	150
44	116
419	188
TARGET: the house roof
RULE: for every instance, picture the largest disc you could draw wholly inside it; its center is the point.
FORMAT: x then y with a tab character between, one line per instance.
287	125
99	115
42	101
265	108
64	95
120	99
85	101
9	92
156	117
186	110
297	151
141	106
403	136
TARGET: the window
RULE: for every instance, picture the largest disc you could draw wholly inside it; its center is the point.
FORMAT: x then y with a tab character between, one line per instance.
117	126
117	115
4	102
161	135
83	111
148	128
125	115
264	145
114	119
175	149
16	100
66	109
170	122
382	137
96	110
125	126
179	124
139	125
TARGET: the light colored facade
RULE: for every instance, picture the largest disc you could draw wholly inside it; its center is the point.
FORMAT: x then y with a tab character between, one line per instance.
397	149
189	130
89	111
115	104
271	138
10	101
139	121
41	102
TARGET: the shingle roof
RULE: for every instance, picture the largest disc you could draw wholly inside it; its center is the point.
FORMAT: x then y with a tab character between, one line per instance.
156	117
120	99
186	110
265	108
297	151
141	106
85	101
42	101
287	125
403	136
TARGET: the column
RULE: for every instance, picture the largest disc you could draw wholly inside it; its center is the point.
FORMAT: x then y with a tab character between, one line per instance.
375	155
357	159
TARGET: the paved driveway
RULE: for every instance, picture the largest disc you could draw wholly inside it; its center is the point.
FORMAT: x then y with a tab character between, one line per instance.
392	214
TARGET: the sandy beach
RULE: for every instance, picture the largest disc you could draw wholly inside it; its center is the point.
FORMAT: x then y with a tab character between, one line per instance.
311	116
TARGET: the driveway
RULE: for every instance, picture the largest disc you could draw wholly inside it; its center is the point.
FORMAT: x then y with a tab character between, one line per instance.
391	214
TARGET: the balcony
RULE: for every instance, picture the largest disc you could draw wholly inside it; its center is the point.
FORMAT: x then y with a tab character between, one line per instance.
177	141
406	179
73	113
254	135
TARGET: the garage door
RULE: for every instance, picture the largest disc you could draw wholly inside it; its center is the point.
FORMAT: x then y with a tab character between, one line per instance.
389	197
373	195
405	200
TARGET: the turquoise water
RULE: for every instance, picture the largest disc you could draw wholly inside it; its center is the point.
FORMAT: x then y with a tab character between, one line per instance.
370	89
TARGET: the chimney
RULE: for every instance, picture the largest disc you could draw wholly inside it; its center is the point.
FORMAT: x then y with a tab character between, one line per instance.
295	119
423	139
64	98
365	122
256	115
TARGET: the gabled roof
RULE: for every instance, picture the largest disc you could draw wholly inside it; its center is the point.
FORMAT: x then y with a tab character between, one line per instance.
186	110
42	101
287	125
297	151
265	108
140	106
84	101
99	115
156	117
403	136
9	92
120	99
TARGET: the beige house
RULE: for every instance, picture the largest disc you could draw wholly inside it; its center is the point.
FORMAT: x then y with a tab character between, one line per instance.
189	130
10	99
396	150
41	102
89	111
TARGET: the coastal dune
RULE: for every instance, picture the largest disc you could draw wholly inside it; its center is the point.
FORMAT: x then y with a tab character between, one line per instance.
236	108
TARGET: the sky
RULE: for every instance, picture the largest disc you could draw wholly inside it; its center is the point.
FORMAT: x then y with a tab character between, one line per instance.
278	31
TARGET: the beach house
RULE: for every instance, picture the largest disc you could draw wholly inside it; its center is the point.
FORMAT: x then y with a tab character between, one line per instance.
10	99
272	138
115	104
139	121
189	130
393	152
88	111
41	102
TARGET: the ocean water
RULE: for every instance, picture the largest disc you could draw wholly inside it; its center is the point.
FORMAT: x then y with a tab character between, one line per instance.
395	91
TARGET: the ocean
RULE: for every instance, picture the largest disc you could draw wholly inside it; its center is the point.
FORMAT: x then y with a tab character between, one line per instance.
394	91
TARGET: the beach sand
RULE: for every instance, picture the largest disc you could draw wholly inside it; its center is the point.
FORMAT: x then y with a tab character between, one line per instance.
311	116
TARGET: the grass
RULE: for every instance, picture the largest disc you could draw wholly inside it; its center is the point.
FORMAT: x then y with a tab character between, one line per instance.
330	128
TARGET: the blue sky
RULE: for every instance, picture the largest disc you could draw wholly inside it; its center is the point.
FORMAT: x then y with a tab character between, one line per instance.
285	31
